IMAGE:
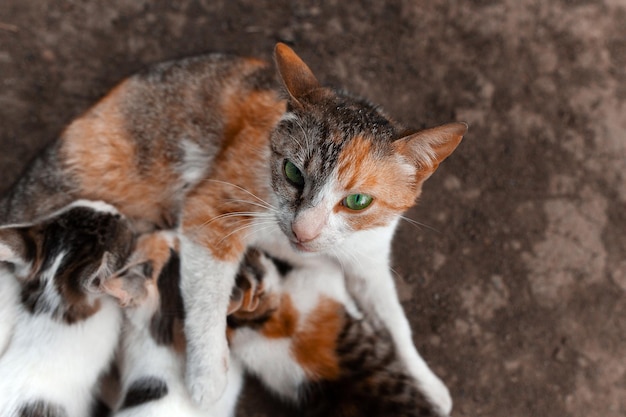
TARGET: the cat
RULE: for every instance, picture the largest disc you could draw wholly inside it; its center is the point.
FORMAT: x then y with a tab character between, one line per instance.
62	332
216	144
306	340
151	353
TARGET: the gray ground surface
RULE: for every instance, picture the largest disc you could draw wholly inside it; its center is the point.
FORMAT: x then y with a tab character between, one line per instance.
515	284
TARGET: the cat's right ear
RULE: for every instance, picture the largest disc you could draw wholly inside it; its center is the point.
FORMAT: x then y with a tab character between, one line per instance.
296	75
428	148
13	247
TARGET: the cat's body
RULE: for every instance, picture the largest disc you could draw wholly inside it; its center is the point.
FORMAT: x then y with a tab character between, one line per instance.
213	138
63	332
307	341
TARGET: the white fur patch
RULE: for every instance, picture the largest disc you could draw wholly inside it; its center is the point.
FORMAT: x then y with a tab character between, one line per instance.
9	305
206	285
194	162
51	361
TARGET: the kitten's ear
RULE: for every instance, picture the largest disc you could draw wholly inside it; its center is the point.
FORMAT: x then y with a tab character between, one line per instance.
428	148
13	246
296	75
129	286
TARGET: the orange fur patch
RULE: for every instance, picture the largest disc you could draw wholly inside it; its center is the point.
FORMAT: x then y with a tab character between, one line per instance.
284	320
101	155
217	210
384	178
314	347
154	247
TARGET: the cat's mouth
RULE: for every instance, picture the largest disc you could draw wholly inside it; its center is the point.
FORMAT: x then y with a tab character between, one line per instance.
301	247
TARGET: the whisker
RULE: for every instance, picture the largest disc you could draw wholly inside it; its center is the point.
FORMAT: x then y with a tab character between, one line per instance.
306	137
396	273
231	214
253	203
419	225
297	141
265	227
239	229
242	189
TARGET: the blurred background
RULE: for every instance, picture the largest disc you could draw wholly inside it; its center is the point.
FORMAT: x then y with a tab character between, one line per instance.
515	281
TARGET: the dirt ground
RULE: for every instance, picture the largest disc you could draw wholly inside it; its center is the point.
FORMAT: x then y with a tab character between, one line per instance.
515	282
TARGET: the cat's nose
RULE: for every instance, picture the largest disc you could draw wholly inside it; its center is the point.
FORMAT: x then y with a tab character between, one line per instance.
303	233
308	225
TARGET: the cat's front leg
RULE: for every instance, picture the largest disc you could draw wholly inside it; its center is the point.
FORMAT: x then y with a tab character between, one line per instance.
206	287
370	282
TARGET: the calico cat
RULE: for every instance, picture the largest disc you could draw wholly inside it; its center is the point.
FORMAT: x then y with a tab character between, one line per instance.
151	353
306	340
240	159
62	332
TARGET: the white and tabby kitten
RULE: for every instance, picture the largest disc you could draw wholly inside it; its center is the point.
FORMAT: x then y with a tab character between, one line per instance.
58	332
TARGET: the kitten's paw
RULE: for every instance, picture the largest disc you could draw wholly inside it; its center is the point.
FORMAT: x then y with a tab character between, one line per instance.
206	382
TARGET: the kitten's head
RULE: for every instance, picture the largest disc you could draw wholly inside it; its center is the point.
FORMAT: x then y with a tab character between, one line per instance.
149	287
339	165
61	259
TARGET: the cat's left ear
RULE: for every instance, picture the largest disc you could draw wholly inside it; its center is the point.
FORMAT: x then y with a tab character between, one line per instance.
296	75
428	148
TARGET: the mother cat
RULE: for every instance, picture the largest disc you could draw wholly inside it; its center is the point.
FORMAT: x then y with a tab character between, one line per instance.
211	143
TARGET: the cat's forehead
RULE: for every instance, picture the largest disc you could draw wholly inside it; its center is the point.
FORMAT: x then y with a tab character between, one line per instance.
345	116
318	135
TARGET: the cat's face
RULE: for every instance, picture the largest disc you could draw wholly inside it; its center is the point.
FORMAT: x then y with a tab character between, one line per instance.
61	259
340	166
335	172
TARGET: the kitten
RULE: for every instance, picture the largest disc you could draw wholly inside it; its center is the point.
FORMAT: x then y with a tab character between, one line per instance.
305	339
319	173
151	354
63	333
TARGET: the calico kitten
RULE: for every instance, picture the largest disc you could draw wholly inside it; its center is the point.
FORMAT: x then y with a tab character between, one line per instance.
306	340
319	173
62	331
151	354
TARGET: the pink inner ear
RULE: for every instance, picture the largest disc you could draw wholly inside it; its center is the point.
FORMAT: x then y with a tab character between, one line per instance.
296	75
6	254
115	288
11	246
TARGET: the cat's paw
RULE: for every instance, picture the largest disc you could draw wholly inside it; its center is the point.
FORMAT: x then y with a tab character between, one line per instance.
438	396
206	381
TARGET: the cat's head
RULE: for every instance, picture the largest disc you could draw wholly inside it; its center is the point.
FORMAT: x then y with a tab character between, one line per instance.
61	259
339	165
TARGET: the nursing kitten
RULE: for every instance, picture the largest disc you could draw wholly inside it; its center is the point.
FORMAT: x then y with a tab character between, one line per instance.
62	332
319	173
306	340
151	353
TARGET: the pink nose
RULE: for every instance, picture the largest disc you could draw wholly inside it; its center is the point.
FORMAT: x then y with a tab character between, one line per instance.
309	223
305	232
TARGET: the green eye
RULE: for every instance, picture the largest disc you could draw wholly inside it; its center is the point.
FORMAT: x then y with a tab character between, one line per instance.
293	174
357	201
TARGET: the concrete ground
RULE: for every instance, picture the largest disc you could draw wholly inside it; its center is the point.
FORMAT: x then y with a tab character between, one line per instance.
515	280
